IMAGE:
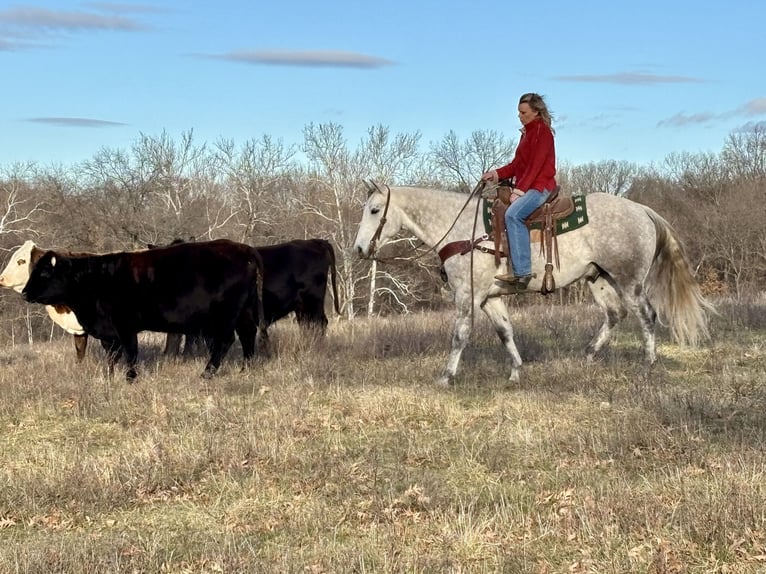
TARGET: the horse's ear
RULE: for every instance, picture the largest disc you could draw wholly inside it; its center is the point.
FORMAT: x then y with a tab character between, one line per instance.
372	187
376	187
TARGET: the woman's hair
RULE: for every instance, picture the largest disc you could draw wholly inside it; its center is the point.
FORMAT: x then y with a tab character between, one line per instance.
537	103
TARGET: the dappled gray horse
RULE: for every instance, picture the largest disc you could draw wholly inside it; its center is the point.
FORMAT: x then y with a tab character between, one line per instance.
629	255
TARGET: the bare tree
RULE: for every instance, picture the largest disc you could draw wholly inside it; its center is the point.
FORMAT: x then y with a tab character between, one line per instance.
745	153
337	175
154	193
609	176
464	161
705	176
255	175
718	213
20	206
733	237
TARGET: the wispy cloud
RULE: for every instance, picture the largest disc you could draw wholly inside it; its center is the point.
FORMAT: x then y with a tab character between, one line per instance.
755	107
309	59
751	127
680	119
22	27
44	19
602	121
749	109
64	122
629	78
8	45
124	8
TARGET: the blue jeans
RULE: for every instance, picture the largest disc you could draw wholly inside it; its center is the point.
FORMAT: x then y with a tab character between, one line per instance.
518	234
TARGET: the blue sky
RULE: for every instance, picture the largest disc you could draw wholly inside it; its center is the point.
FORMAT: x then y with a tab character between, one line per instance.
630	81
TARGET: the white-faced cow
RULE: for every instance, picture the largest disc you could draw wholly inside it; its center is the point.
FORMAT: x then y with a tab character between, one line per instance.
295	280
15	276
212	288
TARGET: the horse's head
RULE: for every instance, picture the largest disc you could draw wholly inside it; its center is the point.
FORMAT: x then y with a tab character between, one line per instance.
378	223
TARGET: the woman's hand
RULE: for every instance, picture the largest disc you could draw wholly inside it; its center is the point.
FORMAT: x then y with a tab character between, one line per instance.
490	175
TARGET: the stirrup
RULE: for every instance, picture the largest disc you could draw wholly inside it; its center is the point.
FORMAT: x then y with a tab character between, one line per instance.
520	281
523	281
506	277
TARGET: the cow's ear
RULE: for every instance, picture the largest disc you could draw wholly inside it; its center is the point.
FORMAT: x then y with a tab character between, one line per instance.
52	257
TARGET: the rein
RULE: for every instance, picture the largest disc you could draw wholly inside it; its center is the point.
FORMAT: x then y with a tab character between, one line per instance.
373	242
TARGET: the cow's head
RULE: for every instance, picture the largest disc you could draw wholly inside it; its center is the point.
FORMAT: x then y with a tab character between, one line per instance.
49	280
16	272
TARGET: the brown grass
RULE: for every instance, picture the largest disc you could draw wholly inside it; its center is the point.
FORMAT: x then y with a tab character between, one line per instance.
340	455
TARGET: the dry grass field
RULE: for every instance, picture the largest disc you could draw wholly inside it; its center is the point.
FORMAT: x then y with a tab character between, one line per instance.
341	455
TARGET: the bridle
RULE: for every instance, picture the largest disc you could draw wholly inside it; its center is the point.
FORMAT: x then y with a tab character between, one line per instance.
372	187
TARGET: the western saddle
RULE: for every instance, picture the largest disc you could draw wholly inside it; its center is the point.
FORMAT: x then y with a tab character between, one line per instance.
555	207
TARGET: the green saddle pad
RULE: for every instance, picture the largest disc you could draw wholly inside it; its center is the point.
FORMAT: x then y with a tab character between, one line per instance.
575	220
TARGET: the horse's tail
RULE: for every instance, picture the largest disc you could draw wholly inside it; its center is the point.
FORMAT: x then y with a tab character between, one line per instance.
673	290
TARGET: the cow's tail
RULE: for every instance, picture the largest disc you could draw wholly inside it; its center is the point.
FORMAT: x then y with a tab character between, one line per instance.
673	288
262	339
333	274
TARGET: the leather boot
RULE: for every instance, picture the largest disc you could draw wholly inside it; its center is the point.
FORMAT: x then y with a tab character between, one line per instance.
506	277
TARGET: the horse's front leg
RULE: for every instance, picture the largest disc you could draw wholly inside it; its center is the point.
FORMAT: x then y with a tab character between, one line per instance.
460	335
497	311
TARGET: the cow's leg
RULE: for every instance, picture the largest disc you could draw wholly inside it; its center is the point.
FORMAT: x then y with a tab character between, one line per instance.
246	331
173	344
130	344
219	347
192	343
80	344
497	311
611	302
113	353
317	323
310	314
262	341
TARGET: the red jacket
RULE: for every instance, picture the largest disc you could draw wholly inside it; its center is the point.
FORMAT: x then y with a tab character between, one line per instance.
534	165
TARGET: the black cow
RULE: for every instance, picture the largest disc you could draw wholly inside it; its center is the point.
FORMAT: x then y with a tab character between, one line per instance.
295	280
212	287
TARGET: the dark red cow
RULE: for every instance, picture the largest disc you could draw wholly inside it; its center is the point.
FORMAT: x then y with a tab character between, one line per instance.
295	280
212	288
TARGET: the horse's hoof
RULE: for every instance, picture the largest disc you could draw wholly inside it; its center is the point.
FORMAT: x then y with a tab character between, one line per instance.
515	376
444	381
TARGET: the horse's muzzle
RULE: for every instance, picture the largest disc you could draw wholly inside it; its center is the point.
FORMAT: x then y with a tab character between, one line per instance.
360	251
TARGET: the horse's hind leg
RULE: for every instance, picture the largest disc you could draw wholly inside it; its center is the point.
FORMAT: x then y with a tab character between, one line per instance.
647	316
608	297
497	311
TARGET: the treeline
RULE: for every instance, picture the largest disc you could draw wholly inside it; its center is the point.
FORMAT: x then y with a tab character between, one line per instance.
264	192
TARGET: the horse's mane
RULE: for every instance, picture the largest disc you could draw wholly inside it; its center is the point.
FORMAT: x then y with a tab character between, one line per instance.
457	195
